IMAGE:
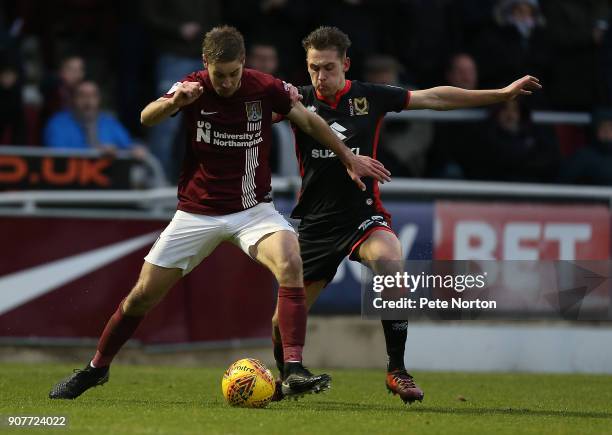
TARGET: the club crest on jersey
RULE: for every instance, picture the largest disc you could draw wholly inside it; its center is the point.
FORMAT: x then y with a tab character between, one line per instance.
361	106
254	111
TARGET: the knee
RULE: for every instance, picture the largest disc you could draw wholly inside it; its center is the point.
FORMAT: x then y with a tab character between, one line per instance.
386	263
386	257
289	270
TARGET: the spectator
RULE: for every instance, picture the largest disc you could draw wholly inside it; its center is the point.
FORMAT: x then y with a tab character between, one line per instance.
456	146
383	69
466	18
417	32
85	126
178	28
362	20
280	22
403	144
514	45
516	149
263	57
12	120
575	31
135	62
607	56
58	89
462	71
592	164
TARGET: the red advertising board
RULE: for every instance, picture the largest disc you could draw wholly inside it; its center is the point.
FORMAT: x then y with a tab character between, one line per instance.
507	231
63	278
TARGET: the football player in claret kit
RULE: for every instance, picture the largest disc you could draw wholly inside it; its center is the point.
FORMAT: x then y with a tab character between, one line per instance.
224	195
338	220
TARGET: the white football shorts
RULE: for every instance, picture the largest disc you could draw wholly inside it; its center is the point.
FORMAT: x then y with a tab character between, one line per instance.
189	238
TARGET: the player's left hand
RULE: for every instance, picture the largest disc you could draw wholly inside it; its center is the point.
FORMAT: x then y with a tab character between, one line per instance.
364	166
523	86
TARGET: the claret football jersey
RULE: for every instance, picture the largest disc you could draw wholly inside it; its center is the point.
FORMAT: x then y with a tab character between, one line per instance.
226	165
355	117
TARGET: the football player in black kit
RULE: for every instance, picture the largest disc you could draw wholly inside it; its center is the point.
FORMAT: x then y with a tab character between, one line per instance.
338	219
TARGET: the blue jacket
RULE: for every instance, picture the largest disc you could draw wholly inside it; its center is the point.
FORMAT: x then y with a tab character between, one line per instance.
64	131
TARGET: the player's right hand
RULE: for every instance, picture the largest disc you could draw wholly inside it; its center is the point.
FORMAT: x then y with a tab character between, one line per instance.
364	166
186	93
523	86
294	94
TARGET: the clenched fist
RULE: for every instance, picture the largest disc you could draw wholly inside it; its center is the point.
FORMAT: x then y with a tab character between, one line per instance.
186	93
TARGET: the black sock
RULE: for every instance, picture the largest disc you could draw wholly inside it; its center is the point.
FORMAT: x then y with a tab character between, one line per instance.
279	356
395	339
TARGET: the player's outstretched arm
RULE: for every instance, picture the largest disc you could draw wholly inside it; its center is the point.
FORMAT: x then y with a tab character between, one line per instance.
357	166
160	109
449	97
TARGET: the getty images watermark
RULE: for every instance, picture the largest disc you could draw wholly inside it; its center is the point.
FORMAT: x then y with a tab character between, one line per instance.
413	283
458	290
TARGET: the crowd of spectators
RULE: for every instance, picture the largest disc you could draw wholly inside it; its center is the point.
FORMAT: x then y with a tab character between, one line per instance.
62	61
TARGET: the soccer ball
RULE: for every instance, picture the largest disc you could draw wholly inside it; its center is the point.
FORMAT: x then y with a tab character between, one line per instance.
248	383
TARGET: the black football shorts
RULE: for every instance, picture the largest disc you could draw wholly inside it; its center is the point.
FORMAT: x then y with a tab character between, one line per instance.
324	244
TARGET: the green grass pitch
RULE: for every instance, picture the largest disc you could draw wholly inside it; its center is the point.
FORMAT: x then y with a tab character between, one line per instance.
172	400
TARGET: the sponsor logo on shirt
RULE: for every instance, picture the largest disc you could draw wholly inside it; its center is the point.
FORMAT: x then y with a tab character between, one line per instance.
338	129
203	132
328	154
380	220
206	134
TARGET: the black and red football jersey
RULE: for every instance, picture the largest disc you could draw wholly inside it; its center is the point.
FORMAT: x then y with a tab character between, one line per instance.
355	116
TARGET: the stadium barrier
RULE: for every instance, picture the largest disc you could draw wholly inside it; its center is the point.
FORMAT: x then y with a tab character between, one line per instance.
471	115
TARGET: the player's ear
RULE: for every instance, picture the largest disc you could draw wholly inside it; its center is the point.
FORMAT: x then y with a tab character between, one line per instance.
346	64
204	61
